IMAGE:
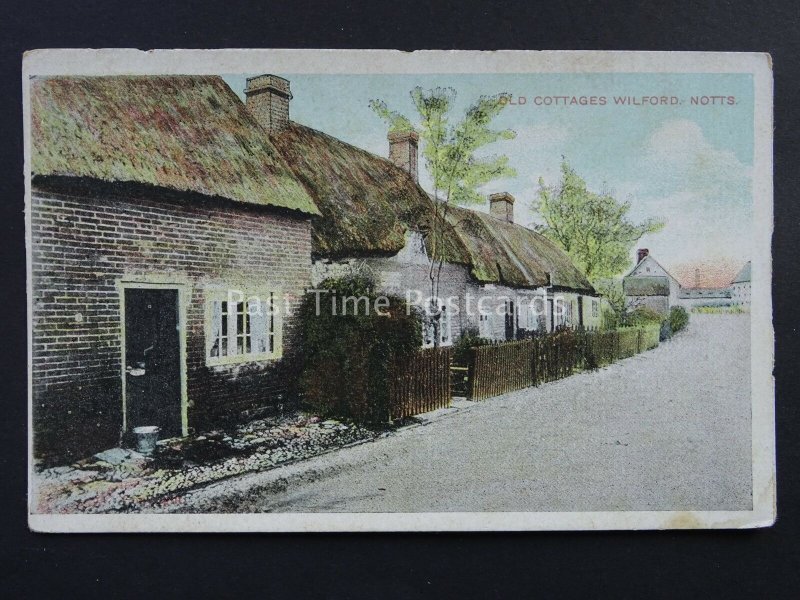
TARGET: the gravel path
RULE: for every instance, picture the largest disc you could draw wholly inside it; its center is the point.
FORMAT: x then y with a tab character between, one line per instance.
665	430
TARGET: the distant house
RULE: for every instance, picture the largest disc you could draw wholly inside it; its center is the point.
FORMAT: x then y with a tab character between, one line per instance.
647	291
740	287
151	199
374	212
647	283
697	297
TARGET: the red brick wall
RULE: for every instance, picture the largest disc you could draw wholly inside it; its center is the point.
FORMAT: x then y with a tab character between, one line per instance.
81	247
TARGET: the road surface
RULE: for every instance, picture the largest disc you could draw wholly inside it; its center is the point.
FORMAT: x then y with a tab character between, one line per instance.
665	430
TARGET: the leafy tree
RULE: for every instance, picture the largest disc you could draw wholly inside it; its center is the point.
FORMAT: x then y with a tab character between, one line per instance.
450	150
592	228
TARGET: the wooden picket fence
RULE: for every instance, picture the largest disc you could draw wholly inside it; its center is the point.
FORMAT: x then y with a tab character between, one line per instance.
504	367
420	383
509	364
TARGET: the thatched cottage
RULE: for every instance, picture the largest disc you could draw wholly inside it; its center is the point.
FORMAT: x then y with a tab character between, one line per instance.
175	228
374	212
151	199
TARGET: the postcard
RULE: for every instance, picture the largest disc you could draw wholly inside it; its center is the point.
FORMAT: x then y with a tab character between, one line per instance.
372	290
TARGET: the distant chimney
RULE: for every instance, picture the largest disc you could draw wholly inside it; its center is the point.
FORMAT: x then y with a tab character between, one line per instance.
268	101
698	279
403	151
501	206
641	254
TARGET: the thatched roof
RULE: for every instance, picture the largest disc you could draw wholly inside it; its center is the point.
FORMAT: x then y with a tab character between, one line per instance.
513	255
184	133
646	286
367	204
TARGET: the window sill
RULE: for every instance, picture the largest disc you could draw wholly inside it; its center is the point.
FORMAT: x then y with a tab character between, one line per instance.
231	361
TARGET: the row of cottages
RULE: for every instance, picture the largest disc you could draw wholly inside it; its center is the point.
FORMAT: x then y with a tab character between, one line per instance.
499	279
175	230
651	285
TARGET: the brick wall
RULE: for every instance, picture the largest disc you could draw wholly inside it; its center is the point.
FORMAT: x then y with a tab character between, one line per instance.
81	247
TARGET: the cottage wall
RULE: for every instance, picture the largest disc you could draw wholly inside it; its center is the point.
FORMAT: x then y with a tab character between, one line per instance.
740	294
488	305
82	247
406	274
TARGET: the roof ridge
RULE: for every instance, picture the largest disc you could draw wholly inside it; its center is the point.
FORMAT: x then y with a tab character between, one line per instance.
358	149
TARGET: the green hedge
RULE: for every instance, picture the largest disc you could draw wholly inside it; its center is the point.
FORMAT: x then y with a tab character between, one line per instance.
346	356
678	318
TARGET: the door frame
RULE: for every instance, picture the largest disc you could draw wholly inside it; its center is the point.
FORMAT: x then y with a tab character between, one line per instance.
157	282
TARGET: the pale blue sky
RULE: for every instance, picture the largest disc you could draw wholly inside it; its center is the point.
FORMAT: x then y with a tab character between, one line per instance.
690	165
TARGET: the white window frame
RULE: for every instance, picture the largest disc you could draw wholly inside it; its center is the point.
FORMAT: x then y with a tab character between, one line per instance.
274	321
445	325
445	322
484	325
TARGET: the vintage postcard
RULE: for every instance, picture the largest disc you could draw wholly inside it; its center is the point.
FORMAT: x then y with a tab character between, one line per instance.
295	290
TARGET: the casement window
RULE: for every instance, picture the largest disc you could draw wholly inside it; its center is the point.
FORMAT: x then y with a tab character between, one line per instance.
566	313
428	333
595	308
484	327
536	314
243	327
445	330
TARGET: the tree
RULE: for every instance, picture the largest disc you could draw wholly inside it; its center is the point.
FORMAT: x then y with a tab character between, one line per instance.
592	228
450	153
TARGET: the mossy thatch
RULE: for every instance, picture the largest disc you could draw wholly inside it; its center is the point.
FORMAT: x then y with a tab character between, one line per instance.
367	204
513	255
185	133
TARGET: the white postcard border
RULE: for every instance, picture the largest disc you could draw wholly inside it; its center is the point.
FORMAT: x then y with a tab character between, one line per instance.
129	61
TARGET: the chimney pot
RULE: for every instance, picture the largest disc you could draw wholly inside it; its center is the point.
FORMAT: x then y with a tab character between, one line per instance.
403	151
641	254
267	99
501	206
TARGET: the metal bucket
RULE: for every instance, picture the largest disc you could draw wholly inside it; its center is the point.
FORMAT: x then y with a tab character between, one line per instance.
146	438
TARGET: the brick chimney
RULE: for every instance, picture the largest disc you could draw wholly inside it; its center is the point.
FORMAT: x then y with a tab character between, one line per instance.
641	254
501	206
403	151
267	99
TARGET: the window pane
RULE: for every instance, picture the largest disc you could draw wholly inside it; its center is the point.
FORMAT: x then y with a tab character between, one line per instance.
216	328
258	318
223	330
